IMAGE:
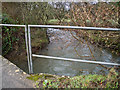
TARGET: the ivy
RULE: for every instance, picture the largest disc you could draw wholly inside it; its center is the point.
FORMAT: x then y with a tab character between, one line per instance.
7	34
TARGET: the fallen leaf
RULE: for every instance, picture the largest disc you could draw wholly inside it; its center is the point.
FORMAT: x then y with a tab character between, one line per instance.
24	72
17	70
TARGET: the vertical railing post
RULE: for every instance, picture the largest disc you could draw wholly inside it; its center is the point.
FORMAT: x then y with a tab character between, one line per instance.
27	48
30	50
28	44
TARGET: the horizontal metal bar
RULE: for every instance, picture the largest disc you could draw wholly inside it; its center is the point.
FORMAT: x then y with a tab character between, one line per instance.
12	25
77	60
26	39
75	27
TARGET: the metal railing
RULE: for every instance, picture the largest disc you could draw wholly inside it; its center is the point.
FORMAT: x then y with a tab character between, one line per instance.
29	49
67	59
26	40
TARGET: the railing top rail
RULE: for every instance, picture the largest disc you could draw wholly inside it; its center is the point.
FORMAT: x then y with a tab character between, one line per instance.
13	25
68	27
75	27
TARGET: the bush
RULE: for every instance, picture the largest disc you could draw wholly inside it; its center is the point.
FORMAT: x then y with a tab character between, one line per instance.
8	34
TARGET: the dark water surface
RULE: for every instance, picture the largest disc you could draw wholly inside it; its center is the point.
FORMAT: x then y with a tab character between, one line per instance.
62	44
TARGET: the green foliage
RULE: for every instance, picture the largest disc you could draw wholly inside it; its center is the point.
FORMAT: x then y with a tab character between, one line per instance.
35	77
39	39
29	12
53	21
82	81
6	19
7	34
22	14
56	21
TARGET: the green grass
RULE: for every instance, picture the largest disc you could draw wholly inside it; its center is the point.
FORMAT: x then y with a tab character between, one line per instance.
66	20
55	21
82	81
34	77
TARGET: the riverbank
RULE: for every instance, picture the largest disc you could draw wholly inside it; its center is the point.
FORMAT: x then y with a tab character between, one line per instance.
83	75
83	81
105	39
13	41
19	79
13	77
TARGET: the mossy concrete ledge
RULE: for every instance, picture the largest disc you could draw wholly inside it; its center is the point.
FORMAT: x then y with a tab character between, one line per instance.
13	77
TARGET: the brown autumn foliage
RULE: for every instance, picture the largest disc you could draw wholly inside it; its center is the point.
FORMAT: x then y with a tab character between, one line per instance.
97	15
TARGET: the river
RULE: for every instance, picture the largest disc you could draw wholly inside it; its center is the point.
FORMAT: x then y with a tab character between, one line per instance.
63	44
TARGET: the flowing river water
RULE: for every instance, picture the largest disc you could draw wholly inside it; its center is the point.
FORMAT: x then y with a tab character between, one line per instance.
63	44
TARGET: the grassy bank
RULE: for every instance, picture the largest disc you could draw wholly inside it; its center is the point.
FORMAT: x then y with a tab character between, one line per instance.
82	81
56	21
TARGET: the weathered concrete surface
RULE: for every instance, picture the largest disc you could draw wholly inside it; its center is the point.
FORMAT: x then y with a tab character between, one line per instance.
13	77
